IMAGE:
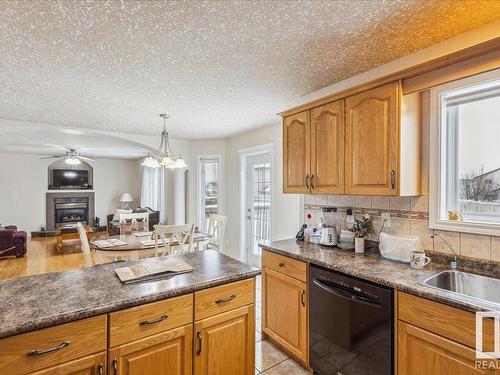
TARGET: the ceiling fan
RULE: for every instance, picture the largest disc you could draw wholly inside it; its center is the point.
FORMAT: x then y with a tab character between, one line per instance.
71	157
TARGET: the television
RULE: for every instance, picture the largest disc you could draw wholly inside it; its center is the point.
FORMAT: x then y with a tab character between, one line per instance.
70	177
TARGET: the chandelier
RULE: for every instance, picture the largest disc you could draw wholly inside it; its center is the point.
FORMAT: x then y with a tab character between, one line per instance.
164	157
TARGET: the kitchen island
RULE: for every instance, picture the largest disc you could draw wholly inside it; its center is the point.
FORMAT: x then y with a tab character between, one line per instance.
88	320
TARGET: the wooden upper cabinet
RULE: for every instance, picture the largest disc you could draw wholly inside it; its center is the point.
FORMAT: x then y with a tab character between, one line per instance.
327	148
296	153
372	141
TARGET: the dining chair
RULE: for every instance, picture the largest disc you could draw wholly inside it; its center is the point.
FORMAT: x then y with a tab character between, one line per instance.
173	236
87	257
135	222
216	230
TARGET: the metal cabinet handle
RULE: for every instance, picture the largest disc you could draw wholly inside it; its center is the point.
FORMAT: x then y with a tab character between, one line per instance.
307	181
198	334
153	321
115	366
281	264
222	300
393	179
302	298
100	369
312	181
50	350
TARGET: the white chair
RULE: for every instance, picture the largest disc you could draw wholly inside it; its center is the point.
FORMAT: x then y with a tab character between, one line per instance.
217	230
137	222
173	236
87	257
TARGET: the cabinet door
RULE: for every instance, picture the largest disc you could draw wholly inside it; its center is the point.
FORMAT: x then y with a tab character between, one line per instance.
284	312
225	343
421	353
167	353
327	149
372	142
91	365
296	153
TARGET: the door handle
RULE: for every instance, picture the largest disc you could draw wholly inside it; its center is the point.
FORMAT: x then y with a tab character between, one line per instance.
312	181
115	366
307	181
393	179
302	298
198	334
100	369
223	300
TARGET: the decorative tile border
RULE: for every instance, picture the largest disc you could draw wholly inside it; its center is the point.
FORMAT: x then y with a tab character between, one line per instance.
375	212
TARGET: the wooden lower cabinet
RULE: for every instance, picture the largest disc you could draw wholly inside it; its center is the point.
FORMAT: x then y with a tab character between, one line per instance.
91	365
167	353
225	343
284	312
421	353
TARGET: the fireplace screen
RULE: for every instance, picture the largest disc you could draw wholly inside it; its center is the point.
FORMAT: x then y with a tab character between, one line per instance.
71	210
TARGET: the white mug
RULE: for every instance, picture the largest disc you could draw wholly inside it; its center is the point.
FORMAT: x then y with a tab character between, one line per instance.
418	260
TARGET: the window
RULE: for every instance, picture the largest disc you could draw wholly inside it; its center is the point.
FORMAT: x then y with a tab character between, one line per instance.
209	188
465	155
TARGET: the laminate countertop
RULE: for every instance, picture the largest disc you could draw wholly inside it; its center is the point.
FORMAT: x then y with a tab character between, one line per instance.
372	267
34	302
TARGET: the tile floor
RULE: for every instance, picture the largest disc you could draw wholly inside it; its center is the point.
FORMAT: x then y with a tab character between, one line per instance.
269	360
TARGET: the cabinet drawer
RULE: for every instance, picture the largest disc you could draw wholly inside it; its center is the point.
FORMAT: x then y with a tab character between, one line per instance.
75	340
446	321
286	265
141	321
223	298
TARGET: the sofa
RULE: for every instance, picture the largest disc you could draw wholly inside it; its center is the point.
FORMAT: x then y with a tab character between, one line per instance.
13	242
114	225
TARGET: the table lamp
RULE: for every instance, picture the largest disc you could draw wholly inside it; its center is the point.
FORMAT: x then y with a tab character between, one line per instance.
126	198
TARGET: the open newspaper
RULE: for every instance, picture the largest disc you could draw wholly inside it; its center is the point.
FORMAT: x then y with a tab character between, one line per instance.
152	270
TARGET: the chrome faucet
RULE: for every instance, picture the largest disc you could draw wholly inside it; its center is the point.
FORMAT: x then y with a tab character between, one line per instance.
453	263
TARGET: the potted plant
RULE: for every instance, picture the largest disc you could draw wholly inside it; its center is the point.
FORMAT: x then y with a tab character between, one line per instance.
361	228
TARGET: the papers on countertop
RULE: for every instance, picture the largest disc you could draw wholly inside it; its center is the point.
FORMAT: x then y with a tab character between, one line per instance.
152	270
102	244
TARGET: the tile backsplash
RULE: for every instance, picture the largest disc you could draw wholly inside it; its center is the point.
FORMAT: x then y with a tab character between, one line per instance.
409	216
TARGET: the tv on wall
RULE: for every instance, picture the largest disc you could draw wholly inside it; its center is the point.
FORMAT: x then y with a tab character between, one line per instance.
70	177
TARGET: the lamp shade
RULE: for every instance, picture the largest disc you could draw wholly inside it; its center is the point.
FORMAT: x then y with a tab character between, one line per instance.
126	198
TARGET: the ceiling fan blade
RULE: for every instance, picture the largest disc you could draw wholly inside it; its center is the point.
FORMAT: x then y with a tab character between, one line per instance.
53	157
85	158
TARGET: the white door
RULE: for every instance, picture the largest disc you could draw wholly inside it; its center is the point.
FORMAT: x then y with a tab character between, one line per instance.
258	204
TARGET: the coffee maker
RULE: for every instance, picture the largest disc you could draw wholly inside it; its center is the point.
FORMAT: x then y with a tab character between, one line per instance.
329	236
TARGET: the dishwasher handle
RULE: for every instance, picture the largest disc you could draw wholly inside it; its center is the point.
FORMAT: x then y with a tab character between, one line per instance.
350	295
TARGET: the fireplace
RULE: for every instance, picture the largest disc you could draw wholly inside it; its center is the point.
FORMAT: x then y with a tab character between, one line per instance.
71	210
64	208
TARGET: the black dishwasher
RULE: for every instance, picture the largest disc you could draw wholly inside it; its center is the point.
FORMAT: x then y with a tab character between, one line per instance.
350	325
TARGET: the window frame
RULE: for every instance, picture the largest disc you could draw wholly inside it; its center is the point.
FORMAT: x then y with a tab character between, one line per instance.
438	153
220	187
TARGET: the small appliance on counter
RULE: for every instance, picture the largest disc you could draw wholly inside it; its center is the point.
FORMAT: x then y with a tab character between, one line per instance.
301	233
329	235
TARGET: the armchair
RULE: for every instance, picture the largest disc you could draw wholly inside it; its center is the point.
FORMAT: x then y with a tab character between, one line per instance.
12	242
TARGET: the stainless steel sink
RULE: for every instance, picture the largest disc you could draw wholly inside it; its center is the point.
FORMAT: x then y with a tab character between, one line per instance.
482	288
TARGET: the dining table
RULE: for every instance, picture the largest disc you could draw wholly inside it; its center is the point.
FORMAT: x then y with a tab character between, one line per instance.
133	249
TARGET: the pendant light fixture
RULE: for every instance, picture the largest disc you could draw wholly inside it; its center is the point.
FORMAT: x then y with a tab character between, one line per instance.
164	157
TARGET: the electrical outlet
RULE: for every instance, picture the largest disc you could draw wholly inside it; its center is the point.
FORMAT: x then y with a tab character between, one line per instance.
387	217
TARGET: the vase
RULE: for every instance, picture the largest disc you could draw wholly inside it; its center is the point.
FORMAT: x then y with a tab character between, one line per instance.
359	245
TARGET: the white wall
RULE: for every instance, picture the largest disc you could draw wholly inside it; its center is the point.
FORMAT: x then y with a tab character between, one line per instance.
285	207
23	184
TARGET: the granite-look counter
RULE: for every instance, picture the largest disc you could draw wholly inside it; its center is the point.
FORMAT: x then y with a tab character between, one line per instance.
372	267
34	302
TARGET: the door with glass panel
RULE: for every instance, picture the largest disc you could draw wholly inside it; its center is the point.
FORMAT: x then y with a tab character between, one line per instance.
208	188
258	204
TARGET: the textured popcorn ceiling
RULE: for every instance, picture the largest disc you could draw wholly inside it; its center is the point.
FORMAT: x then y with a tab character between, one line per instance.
218	67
